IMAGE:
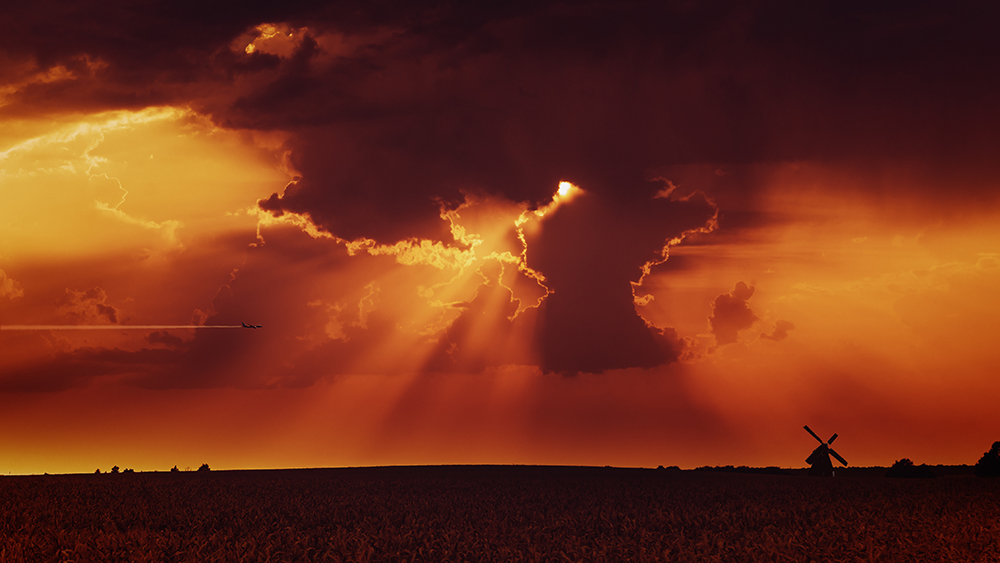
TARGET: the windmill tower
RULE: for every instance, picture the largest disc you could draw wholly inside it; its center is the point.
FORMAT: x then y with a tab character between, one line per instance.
819	460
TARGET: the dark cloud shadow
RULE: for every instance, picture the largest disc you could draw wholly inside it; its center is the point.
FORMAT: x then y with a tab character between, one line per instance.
731	313
590	251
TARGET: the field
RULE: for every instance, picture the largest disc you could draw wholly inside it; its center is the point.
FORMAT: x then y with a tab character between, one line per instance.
495	514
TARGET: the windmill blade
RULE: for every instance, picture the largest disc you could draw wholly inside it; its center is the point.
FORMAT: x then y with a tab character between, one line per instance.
832	438
840	459
814	435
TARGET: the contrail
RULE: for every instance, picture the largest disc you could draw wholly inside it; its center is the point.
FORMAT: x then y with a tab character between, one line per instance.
110	327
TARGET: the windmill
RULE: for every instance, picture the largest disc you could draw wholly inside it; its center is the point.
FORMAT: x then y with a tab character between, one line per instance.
819	460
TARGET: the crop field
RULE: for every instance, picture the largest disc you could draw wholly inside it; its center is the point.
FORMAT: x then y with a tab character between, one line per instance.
506	514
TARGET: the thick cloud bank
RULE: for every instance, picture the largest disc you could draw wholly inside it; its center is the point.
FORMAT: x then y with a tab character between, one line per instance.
393	116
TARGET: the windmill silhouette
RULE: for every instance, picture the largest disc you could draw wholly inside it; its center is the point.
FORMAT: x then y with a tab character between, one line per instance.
819	460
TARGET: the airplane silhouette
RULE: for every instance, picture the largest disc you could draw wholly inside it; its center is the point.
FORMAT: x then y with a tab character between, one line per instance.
245	325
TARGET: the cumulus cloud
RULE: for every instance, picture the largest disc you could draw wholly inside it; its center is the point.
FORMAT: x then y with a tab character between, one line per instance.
591	250
87	307
165	338
780	331
9	288
731	313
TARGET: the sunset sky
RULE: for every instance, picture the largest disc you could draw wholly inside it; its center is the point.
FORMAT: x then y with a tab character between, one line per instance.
595	233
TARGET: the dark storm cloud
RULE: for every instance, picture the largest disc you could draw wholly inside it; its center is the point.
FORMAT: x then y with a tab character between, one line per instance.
603	93
433	99
130	54
512	97
591	249
731	313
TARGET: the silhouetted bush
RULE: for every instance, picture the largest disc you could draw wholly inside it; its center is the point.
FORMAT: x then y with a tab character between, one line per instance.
98	472
989	464
129	470
204	467
114	469
904	468
174	469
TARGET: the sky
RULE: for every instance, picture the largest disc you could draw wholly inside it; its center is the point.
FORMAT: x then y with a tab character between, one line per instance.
570	233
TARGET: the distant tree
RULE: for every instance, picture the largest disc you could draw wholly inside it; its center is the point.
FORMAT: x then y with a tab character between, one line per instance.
98	472
129	470
904	468
989	464
114	469
174	469
204	467
901	463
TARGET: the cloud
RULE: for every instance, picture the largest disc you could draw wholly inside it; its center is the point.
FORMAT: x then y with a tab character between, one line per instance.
344	311
9	288
293	348
440	97
78	367
164	337
780	331
87	307
391	110
731	313
591	250
395	117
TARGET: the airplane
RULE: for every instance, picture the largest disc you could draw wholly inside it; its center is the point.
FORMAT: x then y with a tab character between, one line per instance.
245	325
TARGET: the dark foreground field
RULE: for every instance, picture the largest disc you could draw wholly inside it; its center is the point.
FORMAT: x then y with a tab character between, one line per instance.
495	514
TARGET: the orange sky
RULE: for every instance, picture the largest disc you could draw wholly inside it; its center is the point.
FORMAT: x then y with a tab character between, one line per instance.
552	235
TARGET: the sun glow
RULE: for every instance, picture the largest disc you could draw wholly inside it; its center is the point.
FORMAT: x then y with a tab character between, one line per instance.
566	193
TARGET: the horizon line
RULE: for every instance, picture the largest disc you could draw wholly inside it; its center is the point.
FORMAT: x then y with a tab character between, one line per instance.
701	469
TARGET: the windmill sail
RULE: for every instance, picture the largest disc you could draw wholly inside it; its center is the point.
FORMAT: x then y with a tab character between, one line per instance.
819	460
840	459
818	439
